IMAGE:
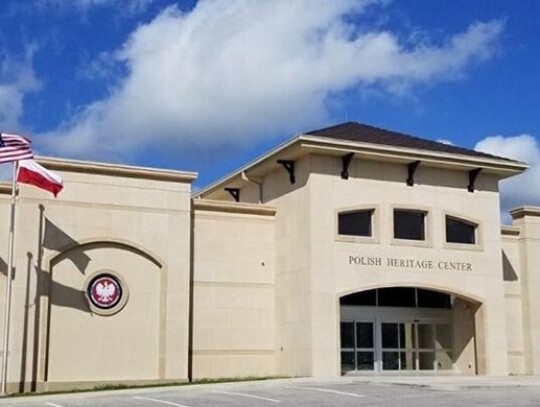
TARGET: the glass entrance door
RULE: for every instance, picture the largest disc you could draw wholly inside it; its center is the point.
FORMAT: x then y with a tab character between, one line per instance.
415	346
398	348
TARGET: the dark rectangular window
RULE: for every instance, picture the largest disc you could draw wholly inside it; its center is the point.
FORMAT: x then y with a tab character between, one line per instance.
347	335
409	225
356	223
364	335
459	231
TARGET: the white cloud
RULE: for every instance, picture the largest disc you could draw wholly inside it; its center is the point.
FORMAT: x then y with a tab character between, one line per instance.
233	71
523	189
445	141
17	78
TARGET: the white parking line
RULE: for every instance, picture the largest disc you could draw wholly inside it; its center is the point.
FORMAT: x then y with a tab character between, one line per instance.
53	405
343	393
160	401
248	395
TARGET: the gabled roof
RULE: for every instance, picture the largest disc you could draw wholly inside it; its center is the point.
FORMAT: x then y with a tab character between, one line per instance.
369	143
354	131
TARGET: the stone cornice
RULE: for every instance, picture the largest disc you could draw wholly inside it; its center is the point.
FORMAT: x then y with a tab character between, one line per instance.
522	211
118	170
5	188
232	207
510	230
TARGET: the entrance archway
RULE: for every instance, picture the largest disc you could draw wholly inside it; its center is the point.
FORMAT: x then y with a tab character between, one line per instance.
406	329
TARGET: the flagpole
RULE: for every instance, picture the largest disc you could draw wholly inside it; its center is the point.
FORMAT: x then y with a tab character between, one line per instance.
11	243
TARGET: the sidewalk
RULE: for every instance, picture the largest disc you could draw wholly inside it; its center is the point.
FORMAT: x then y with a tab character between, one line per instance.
450	382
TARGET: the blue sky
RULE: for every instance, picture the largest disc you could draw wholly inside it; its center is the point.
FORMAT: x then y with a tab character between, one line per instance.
208	85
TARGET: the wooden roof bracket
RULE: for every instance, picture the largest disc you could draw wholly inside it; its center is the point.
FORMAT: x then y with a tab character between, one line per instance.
289	167
235	193
346	161
412	167
473	174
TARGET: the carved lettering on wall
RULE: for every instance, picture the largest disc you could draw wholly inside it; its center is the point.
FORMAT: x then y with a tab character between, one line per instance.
409	263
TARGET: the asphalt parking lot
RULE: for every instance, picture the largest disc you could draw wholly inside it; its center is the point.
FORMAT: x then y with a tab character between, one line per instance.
309	392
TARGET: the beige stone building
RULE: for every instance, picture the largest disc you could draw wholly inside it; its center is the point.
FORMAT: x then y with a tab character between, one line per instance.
348	250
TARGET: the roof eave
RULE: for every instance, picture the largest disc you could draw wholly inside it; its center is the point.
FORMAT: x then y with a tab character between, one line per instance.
252	164
496	165
309	143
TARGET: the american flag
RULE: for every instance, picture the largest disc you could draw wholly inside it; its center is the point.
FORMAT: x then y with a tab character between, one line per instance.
14	148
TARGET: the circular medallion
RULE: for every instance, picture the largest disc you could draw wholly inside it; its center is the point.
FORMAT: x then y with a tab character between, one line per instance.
104	291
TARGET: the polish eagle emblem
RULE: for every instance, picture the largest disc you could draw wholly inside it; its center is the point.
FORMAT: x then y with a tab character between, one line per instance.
104	291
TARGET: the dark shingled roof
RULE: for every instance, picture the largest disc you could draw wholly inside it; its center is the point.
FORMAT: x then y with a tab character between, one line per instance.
353	131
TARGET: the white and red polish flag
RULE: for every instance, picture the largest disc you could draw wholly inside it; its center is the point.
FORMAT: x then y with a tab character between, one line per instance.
30	172
14	148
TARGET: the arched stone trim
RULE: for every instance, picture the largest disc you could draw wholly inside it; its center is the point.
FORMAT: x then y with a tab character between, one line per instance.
95	242
467	296
92	243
